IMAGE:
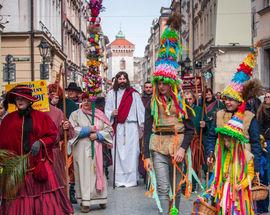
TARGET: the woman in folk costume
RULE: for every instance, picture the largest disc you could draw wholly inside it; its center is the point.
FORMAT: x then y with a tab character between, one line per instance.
59	153
31	134
56	101
90	179
237	142
168	130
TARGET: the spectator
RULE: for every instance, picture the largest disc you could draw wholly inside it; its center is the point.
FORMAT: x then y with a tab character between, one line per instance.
147	92
74	92
263	116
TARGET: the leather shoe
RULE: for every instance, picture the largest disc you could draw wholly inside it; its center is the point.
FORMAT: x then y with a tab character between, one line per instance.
85	209
102	206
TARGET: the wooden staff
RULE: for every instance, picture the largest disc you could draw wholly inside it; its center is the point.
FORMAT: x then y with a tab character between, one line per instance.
201	130
64	148
115	145
196	90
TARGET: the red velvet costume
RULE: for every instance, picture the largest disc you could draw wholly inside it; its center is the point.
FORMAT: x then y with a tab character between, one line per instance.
34	197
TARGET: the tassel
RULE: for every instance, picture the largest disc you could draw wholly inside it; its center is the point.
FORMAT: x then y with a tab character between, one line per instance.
174	211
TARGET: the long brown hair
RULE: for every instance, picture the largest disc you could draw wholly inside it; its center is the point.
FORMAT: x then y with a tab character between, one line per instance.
261	112
118	75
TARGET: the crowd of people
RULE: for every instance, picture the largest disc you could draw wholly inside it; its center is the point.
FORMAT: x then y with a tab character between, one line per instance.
126	122
69	148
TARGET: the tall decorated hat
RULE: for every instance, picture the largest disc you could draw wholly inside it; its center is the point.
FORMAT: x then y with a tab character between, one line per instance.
238	89
243	74
166	71
169	51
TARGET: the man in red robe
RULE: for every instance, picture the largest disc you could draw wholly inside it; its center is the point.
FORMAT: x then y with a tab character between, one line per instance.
28	131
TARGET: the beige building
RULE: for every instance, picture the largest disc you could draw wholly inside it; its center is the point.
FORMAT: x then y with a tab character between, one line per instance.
29	22
63	24
220	37
261	32
75	16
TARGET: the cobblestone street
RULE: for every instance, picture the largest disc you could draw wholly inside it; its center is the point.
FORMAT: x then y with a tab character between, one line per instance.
132	201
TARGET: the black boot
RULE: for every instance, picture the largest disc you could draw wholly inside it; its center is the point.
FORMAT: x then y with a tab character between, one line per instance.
72	197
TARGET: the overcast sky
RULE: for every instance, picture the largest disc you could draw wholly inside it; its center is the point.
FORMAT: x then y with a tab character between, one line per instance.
134	17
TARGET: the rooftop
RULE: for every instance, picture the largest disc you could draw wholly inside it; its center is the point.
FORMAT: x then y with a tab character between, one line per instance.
121	40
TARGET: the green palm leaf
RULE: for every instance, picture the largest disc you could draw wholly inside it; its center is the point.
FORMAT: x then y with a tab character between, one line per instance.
12	172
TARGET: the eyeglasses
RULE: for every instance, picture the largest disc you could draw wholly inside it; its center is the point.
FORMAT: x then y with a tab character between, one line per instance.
189	98
267	97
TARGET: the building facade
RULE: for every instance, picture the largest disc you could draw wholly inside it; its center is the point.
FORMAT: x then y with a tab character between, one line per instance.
138	71
220	37
30	22
261	32
120	57
151	50
75	17
61	23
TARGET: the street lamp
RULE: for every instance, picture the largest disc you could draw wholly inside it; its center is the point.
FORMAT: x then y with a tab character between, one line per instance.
9	73
44	50
185	66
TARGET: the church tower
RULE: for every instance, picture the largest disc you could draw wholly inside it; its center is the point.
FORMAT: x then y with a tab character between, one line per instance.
120	57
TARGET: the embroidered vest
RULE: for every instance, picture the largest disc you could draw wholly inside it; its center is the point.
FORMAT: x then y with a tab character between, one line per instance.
164	144
223	117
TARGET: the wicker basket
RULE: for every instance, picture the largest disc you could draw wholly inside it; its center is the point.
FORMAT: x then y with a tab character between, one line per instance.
202	208
259	192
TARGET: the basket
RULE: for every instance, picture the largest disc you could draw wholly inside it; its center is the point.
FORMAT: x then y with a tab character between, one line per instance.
202	208
259	192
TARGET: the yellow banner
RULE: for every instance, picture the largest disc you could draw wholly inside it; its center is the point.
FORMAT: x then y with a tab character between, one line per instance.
39	90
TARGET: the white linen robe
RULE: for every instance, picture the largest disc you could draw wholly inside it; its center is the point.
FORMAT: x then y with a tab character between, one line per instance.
127	136
84	165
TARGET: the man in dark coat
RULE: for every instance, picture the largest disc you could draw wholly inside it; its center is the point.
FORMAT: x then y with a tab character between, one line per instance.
147	92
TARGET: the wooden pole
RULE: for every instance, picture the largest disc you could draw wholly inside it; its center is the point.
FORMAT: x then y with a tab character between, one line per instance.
201	130
196	89
64	148
115	145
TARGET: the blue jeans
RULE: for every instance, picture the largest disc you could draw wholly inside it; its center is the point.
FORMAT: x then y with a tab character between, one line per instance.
268	161
164	174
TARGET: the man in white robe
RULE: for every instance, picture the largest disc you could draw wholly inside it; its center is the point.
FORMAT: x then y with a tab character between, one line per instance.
128	129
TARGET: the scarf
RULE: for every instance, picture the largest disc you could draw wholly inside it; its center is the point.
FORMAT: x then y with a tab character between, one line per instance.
27	127
211	106
124	107
98	148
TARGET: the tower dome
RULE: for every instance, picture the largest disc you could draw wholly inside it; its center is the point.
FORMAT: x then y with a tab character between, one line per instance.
120	35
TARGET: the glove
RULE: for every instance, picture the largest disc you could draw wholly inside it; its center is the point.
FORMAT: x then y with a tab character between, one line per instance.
35	148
